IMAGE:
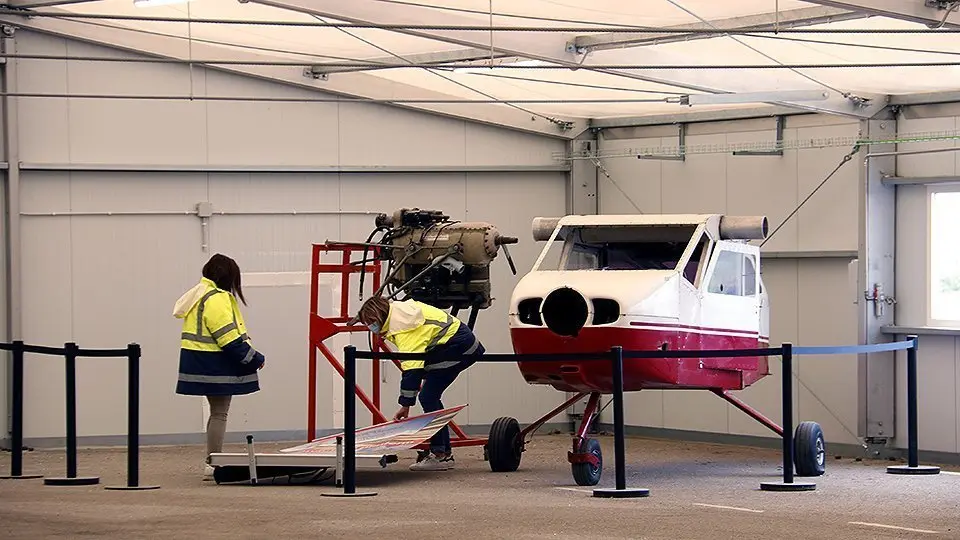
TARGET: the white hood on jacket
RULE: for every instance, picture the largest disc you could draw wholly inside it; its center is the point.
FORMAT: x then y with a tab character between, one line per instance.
188	300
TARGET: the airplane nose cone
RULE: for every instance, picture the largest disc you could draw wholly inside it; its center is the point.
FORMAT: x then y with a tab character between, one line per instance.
565	311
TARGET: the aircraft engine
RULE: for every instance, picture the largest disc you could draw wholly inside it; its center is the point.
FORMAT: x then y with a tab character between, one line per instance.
439	261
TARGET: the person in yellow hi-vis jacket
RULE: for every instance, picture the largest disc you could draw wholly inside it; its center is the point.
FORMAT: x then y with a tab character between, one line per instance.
450	347
216	358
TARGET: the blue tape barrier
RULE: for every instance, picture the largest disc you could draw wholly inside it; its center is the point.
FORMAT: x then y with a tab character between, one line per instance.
855	349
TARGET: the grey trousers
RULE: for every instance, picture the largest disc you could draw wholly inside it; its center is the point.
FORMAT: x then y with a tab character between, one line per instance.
217	423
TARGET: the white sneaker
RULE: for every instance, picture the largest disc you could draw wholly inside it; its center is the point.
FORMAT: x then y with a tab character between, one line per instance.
207	473
431	463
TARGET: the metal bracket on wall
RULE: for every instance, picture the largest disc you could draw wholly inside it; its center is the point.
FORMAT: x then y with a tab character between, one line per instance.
204	211
681	148
778	145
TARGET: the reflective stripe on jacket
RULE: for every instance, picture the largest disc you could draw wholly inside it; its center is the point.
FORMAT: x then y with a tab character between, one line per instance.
216	356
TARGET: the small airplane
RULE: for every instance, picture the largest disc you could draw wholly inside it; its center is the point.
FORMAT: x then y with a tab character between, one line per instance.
646	283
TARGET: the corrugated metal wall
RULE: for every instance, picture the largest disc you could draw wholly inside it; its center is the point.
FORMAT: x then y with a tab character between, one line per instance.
938	359
106	280
811	298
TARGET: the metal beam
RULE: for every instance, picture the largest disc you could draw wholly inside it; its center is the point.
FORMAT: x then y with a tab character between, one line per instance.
355	85
30	4
793	18
919	180
458	55
908	10
695	116
551	47
875	264
254	169
13	259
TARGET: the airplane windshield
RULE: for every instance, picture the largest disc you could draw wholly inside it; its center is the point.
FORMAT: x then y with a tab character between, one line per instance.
623	248
624	256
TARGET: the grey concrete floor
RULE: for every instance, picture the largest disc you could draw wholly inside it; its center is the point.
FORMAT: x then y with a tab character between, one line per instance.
696	491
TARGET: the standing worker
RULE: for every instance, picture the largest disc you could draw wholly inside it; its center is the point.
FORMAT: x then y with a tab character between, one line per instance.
216	358
450	347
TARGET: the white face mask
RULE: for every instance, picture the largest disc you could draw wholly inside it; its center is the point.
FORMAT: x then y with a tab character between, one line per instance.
375	328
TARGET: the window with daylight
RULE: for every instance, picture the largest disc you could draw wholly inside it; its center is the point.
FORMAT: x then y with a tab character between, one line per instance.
944	257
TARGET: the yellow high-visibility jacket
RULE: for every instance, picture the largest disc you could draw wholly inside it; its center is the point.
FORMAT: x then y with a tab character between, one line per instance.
216	356
415	327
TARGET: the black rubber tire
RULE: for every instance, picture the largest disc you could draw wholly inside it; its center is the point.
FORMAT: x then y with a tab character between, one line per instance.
809	449
504	445
586	474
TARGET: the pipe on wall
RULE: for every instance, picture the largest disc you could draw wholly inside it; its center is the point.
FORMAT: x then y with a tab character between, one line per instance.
12	155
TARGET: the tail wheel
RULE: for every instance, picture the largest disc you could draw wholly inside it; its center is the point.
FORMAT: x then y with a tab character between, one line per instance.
809	450
504	445
587	474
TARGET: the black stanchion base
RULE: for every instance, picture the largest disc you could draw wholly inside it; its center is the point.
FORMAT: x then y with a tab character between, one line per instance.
130	488
357	494
77	481
628	493
22	477
919	469
792	486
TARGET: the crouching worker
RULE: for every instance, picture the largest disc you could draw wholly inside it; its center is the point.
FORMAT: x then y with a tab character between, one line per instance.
450	347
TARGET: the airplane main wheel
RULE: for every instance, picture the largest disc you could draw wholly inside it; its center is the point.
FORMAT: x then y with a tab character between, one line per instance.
587	474
504	445
809	449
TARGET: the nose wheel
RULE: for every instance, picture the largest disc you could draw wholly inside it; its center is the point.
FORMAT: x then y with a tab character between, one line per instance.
504	445
809	450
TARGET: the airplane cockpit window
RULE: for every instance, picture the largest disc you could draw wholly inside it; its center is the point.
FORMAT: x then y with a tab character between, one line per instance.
625	248
735	274
625	256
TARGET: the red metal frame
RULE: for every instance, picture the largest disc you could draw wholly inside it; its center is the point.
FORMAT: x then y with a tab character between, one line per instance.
324	327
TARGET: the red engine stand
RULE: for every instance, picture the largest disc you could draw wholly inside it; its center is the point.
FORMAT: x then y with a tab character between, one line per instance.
323	328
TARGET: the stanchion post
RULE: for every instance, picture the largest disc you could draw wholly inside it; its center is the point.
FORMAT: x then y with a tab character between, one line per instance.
16	442
788	450
621	491
71	352
133	421
350	426
913	442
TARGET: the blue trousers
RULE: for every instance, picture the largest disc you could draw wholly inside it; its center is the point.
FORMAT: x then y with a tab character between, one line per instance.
434	383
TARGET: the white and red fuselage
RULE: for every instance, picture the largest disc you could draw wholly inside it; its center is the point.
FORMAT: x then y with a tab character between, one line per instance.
643	282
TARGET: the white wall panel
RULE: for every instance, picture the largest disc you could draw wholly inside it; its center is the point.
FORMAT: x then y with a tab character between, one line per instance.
127	273
268	133
45	192
488	145
826	386
828	221
44	136
911	256
697	185
389	135
48	286
631	179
